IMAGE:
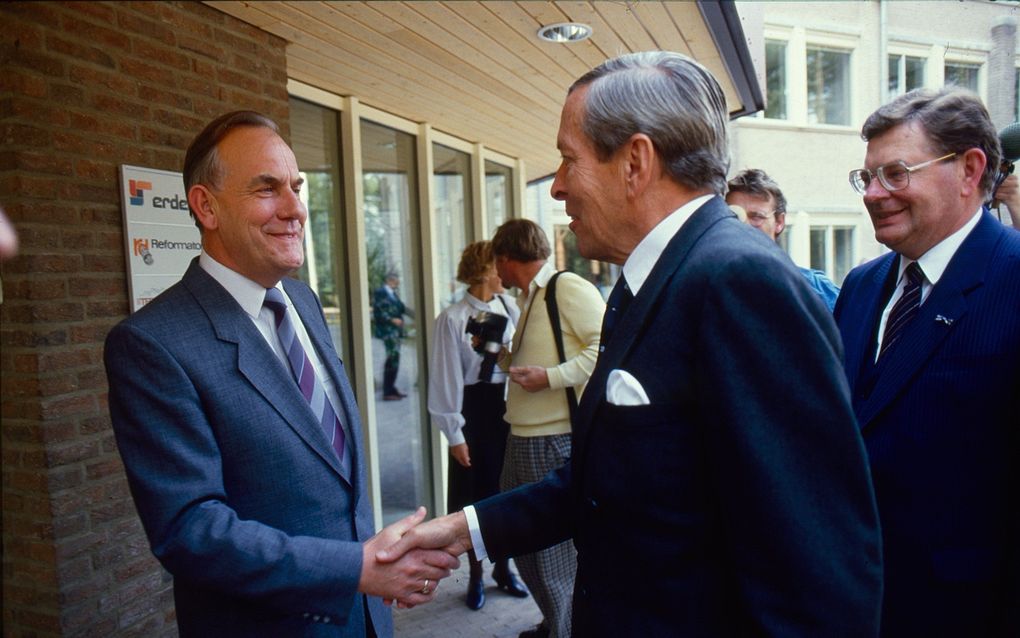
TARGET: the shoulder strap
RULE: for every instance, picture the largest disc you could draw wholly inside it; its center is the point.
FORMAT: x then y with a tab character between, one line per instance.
509	315
554	319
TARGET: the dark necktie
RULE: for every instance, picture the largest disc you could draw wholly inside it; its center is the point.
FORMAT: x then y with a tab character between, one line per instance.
617	304
905	308
304	373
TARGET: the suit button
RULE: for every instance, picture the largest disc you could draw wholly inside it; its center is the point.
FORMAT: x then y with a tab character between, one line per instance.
326	619
592	503
305	615
316	618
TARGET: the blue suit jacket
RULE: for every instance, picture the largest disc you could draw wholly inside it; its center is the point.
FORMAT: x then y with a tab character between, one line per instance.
238	489
940	415
737	502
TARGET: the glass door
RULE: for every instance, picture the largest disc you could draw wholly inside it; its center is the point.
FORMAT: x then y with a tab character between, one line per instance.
451	192
393	238
315	139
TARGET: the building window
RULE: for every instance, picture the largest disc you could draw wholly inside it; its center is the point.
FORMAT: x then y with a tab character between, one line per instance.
906	73
962	75
842	252
819	245
828	86
775	79
832	251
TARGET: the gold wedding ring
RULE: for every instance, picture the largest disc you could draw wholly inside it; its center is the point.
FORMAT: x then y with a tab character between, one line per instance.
425	591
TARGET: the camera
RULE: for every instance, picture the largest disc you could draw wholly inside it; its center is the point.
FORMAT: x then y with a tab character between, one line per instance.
489	328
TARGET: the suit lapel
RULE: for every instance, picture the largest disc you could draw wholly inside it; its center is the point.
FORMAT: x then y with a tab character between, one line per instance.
938	316
256	361
629	328
859	333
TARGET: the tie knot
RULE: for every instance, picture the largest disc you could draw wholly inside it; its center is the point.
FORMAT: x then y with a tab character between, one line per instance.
274	301
914	274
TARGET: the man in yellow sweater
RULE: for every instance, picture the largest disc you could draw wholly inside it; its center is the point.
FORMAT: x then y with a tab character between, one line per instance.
537	407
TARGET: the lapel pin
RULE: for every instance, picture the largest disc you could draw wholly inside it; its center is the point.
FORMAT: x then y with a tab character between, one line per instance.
944	319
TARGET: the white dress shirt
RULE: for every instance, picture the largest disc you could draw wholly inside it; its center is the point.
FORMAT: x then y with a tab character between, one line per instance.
454	363
250	296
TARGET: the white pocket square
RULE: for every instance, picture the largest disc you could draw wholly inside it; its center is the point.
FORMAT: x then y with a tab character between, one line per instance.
623	389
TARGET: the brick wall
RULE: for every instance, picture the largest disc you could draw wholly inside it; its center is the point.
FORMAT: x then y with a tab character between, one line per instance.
85	87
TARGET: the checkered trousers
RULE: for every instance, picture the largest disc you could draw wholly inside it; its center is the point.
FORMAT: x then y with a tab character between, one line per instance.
549	574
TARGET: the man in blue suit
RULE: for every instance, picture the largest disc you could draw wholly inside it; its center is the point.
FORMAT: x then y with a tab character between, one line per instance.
932	336
702	498
251	487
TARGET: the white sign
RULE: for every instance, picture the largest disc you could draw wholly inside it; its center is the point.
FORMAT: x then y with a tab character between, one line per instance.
160	236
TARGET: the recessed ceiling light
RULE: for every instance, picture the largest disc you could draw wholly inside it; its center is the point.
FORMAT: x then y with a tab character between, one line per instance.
565	32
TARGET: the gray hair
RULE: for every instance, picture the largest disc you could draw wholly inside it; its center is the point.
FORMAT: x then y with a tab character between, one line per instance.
954	119
670	98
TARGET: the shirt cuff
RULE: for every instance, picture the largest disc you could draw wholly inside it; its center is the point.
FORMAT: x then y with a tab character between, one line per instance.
456	437
476	533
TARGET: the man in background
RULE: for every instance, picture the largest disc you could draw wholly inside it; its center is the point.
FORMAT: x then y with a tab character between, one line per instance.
388	313
765	206
237	424
932	336
542	388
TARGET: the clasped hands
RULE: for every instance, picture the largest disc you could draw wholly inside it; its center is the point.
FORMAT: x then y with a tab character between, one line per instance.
404	562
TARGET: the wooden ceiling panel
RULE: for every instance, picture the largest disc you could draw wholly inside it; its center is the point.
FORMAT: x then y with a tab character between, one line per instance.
475	70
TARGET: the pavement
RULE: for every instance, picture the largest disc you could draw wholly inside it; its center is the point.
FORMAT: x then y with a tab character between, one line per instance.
503	616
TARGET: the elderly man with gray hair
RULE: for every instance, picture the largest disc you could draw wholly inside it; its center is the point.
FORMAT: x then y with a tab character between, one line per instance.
701	500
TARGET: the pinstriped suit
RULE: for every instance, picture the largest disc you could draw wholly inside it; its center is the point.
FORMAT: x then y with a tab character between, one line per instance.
242	497
940	416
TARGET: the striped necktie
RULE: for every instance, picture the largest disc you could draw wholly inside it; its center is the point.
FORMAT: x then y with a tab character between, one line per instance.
304	373
905	308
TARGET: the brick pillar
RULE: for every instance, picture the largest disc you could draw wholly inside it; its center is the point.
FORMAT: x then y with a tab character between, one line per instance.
85	87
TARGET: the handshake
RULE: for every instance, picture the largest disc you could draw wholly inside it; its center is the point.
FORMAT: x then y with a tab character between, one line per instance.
404	562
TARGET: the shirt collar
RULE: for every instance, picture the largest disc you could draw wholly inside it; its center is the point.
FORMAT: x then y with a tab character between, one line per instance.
541	278
936	260
640	262
475	302
248	294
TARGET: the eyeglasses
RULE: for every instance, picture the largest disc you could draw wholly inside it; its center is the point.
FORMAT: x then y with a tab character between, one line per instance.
757	218
893	176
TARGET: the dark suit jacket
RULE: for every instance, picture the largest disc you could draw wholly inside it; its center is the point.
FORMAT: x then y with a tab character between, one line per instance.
239	491
738	502
387	306
940	415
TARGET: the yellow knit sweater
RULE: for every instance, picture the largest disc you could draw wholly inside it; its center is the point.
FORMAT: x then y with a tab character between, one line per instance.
581	308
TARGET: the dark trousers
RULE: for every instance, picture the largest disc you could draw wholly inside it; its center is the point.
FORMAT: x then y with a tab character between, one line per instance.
392	364
485	433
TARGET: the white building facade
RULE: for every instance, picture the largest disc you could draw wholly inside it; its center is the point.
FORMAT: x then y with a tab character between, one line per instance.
825	67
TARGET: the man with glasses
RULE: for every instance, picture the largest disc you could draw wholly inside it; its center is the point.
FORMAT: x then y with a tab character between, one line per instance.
932	338
765	208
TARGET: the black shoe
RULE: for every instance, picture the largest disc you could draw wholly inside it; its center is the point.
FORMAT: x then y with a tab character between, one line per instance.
476	592
541	631
508	582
